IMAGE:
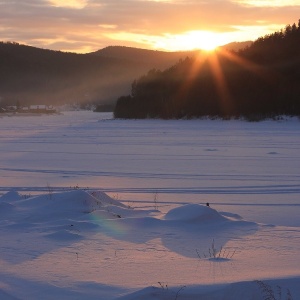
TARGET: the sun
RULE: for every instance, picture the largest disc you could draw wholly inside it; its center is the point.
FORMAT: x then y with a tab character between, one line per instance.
205	40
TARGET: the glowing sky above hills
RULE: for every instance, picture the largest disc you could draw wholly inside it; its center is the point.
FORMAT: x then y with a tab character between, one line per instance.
88	25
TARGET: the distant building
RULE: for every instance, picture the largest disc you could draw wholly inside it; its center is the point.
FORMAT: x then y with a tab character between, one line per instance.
41	109
11	108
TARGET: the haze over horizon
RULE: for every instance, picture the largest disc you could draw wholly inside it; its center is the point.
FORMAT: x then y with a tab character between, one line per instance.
84	26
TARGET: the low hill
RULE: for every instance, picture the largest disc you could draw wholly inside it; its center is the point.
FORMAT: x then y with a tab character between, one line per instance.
37	76
237	46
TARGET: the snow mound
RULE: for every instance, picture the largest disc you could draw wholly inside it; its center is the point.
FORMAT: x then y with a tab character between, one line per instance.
58	206
105	199
231	215
72	201
245	290
194	212
6	208
11	196
77	201
6	296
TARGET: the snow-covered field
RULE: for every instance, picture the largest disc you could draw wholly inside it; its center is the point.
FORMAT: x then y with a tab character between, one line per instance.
96	208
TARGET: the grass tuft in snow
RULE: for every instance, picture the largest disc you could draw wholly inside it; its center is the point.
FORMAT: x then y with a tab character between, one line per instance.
215	254
165	288
269	293
177	293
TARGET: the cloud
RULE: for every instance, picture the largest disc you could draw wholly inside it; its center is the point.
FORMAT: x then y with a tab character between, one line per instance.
269	3
76	4
87	25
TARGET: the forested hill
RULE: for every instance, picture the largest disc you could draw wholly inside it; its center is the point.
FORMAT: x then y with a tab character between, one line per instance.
261	80
30	75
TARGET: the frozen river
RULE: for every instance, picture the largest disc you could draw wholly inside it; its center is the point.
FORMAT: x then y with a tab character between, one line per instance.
247	166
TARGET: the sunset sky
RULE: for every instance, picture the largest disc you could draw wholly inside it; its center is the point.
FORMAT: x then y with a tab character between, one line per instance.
88	25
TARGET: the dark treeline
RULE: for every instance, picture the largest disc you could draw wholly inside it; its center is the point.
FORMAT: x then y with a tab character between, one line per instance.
262	80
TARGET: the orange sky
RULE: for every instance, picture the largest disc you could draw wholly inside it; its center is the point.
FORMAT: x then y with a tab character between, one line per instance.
88	25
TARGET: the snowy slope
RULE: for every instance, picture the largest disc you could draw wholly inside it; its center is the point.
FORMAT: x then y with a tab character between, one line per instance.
68	239
95	208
